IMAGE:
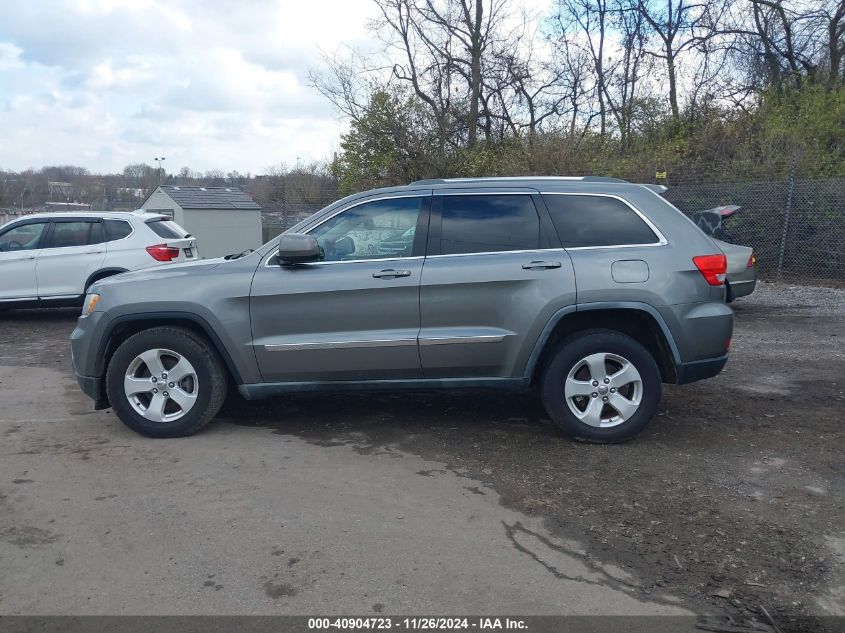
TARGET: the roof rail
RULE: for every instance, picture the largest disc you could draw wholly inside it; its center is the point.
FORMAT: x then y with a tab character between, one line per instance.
440	181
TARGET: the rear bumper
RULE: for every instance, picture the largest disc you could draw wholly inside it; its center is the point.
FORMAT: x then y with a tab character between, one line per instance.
700	369
741	287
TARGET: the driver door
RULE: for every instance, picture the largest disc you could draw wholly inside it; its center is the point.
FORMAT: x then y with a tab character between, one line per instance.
19	249
356	314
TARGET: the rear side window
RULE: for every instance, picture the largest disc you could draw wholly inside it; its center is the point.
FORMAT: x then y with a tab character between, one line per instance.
597	221
488	223
117	229
166	229
79	233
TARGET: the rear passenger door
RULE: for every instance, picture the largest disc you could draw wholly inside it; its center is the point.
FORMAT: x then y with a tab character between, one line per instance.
493	276
75	249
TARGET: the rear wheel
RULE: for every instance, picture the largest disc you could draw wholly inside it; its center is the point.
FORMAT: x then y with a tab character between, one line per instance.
601	386
166	382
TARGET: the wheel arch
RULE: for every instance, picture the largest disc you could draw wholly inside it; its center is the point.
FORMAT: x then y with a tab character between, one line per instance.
125	326
102	274
640	321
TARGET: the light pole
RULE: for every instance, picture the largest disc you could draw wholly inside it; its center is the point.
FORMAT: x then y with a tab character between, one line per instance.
159	160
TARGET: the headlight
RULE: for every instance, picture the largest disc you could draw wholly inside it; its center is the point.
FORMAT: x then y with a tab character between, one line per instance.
90	303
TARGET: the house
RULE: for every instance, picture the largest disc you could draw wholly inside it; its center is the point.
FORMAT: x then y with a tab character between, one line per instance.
223	219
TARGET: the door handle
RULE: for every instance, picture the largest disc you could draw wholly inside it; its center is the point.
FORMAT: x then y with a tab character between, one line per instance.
389	273
541	265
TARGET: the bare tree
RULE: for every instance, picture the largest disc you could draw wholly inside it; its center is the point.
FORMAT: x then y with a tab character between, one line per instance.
680	26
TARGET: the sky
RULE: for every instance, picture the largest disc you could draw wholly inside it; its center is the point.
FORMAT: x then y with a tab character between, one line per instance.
215	84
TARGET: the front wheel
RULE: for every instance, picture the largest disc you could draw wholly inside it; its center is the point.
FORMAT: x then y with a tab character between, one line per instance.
166	382
601	386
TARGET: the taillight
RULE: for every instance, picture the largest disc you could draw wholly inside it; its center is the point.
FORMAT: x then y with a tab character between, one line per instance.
751	261
163	252
712	268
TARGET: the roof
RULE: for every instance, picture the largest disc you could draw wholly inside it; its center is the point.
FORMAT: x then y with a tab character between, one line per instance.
531	181
88	214
511	179
210	197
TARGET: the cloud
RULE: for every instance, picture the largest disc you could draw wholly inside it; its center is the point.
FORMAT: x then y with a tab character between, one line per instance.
223	84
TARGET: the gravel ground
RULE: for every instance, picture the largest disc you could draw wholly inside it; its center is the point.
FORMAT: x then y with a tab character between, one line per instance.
733	499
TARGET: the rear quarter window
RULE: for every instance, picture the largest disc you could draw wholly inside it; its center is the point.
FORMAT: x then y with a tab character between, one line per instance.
596	221
117	229
166	229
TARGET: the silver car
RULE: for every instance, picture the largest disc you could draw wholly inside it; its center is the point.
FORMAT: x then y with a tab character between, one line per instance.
594	289
741	278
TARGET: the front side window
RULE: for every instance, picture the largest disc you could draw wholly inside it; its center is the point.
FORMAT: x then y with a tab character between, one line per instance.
372	230
488	223
23	238
597	221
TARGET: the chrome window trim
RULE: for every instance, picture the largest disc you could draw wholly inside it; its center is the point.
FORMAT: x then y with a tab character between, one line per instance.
129	222
531	192
267	263
521	251
484	179
488	192
358	203
661	239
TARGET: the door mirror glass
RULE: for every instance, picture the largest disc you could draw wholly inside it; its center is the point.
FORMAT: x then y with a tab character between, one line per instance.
297	248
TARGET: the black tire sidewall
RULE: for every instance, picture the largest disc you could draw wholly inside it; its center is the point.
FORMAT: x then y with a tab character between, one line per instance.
197	353
573	350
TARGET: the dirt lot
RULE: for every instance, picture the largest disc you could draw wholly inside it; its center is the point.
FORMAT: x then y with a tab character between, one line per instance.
733	499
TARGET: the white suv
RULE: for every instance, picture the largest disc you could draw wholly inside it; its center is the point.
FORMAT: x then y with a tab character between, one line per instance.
51	259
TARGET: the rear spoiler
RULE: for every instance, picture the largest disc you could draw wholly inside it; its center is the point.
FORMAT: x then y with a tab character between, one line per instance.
658	189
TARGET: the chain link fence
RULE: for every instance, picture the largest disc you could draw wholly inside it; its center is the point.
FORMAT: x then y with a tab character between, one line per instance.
795	222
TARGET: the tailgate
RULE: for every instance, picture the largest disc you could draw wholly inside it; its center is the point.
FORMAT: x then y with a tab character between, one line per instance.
187	248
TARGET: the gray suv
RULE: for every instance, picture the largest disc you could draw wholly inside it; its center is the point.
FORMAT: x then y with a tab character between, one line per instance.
593	289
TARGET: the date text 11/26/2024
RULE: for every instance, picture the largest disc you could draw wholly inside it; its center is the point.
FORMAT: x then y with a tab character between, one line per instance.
416	623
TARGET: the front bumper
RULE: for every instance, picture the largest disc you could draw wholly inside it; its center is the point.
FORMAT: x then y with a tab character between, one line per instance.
93	387
84	341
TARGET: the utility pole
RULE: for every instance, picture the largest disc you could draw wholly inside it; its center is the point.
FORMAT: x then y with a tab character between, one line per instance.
159	161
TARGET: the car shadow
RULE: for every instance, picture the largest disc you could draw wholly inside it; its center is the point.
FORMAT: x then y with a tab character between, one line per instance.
386	418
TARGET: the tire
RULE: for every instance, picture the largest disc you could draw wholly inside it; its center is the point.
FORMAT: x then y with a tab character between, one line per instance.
165	407
568	386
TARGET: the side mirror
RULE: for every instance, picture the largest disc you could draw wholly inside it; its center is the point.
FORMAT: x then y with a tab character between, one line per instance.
297	248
